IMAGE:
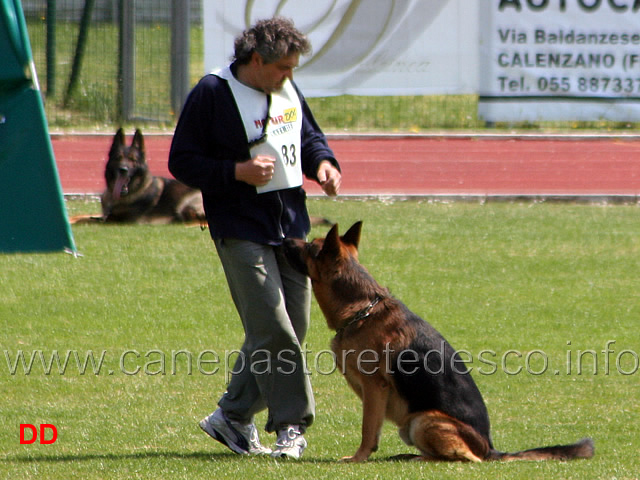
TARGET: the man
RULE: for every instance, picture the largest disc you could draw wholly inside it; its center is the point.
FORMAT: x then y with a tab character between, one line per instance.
245	138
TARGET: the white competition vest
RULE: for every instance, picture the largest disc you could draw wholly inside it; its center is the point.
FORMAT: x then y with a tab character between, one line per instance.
282	140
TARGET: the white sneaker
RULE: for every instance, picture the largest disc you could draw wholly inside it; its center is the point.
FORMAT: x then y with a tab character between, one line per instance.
290	443
242	439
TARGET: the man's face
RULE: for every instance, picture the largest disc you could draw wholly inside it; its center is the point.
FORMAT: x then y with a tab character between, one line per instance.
269	77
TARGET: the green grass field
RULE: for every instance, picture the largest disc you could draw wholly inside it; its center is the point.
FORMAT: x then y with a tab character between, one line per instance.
542	297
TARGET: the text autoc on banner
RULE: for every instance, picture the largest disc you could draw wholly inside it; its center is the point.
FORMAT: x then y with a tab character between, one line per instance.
564	5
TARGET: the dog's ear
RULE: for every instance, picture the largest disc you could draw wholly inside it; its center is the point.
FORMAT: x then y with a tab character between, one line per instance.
118	142
331	245
352	237
138	143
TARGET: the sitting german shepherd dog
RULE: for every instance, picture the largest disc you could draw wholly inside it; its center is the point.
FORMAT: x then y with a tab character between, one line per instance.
134	195
386	353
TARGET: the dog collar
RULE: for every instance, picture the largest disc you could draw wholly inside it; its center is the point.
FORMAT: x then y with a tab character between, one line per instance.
361	315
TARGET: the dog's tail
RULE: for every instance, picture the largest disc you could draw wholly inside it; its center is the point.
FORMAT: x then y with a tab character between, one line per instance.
581	449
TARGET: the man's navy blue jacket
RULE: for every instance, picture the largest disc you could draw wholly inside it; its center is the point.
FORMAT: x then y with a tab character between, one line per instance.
210	139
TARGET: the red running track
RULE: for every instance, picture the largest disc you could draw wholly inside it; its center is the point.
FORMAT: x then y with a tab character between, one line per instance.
417	165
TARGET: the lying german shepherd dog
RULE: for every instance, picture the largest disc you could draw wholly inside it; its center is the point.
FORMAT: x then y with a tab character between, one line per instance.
385	352
134	195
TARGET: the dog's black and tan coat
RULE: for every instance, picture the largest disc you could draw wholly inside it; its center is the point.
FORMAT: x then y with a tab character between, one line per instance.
399	365
134	195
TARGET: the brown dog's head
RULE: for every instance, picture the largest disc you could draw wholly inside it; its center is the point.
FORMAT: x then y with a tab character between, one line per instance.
126	168
322	256
341	285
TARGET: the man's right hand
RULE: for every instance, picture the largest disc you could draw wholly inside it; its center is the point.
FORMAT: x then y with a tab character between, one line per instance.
257	171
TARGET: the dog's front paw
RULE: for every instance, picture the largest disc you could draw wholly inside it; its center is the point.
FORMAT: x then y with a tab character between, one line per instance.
353	459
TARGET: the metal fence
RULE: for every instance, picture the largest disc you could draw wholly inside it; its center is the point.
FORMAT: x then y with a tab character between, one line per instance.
107	62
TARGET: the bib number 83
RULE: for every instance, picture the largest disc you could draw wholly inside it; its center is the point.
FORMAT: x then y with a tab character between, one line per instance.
289	155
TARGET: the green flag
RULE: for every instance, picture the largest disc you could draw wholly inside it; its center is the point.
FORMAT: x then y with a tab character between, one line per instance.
33	216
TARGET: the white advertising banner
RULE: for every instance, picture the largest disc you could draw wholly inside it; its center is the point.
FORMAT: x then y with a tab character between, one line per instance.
363	47
560	60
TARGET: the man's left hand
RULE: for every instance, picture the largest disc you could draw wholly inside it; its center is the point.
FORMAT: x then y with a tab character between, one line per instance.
329	178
